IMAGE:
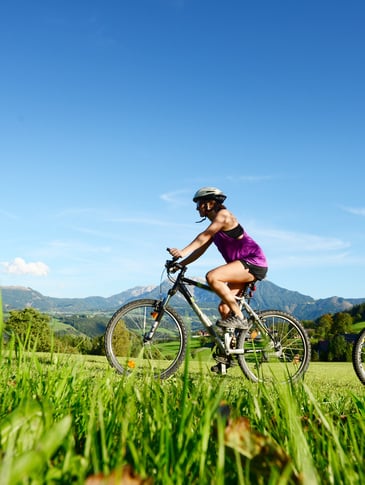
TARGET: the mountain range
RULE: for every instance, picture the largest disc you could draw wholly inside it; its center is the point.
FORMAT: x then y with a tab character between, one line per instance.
267	296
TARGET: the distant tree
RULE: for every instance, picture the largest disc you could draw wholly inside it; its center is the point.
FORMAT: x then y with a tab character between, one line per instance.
62	345
315	355
97	346
122	341
342	323
30	328
73	344
91	325
358	313
324	325
339	349
308	324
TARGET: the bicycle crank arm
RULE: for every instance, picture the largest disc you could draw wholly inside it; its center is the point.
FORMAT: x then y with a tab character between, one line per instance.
235	351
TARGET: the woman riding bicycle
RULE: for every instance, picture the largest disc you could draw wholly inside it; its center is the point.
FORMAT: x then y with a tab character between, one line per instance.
245	260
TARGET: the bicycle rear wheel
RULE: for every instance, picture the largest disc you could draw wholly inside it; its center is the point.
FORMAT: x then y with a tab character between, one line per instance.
126	349
280	352
358	356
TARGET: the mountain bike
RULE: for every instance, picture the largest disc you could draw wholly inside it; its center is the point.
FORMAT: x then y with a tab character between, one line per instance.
151	335
358	356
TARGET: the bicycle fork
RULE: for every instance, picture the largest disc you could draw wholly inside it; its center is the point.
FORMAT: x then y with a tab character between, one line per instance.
157	314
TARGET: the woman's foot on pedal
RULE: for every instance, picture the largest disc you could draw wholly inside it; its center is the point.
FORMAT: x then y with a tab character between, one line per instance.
234	321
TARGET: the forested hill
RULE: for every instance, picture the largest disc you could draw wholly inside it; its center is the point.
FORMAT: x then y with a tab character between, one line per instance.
267	296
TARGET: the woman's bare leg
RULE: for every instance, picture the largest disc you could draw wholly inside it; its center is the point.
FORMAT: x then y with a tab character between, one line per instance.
236	275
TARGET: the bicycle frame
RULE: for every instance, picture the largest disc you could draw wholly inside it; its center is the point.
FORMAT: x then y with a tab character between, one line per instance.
179	285
149	333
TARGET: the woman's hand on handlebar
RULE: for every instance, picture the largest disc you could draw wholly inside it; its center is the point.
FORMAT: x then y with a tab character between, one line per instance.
175	253
172	265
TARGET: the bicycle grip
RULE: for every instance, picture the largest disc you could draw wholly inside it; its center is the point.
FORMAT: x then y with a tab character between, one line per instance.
174	258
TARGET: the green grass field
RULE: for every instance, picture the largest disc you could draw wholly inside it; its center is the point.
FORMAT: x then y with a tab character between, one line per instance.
357	327
71	419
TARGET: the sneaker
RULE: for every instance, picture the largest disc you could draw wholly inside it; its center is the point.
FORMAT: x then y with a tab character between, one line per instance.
233	321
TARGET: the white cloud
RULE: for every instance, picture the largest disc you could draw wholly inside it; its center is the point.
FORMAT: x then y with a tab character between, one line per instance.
7	215
357	211
300	242
19	266
179	197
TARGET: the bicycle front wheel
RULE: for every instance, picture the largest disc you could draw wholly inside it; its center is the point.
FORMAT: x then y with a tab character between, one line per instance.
358	356
125	345
278	350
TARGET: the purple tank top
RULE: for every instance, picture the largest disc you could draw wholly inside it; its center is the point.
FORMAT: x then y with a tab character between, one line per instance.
235	249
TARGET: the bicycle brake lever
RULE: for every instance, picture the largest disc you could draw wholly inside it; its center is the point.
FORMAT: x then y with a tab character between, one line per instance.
172	264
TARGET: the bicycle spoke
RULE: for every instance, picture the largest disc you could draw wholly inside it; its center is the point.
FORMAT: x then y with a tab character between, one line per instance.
127	349
279	350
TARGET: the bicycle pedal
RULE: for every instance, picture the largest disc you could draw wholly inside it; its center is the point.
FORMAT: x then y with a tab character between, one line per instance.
220	369
216	369
223	360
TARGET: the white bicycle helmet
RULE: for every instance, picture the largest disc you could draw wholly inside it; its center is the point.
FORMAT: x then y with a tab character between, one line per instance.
209	193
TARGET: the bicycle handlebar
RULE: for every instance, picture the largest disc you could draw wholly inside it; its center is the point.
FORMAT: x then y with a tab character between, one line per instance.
172	264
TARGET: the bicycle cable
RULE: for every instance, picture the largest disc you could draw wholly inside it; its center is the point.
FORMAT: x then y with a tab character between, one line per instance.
161	281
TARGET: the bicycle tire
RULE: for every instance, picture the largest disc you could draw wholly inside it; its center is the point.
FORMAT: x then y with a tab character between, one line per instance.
282	355
358	356
124	343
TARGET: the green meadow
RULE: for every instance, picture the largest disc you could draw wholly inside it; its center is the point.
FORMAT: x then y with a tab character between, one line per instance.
71	419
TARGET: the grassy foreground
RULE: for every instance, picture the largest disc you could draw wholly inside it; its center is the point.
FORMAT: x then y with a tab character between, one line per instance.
71	419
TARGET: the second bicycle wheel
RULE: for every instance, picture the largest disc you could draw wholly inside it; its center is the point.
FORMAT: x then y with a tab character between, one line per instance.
279	351
126	349
358	356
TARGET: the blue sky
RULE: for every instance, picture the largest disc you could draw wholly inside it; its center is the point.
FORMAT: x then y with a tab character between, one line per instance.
113	113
